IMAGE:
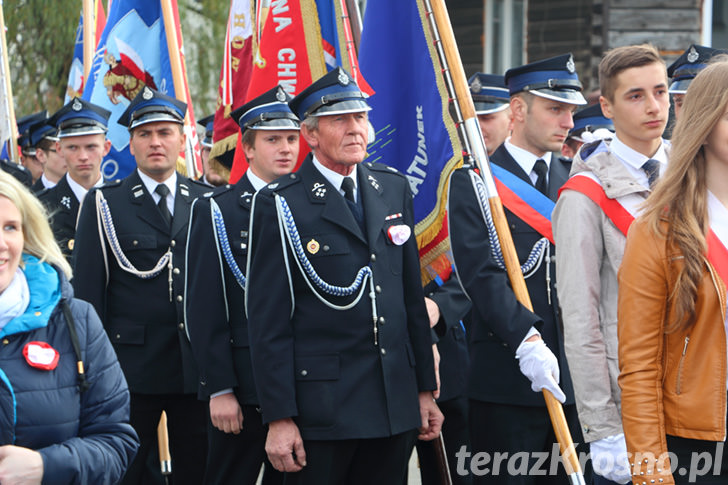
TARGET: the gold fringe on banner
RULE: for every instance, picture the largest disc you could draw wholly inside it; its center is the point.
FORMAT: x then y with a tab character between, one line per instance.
225	145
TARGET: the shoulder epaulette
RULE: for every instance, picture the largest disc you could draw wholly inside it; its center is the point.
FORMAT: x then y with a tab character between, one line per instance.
283	181
219	190
198	183
380	167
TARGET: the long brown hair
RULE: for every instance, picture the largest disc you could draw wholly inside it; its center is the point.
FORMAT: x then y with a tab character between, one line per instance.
680	197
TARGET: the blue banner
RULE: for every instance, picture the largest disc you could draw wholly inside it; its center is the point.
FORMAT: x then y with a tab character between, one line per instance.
132	53
75	75
414	131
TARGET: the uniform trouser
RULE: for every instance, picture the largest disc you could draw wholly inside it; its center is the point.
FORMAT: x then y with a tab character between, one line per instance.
186	424
521	436
374	461
237	458
455	435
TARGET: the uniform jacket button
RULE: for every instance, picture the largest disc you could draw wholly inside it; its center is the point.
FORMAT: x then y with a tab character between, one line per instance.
181	326
179	298
175	271
373	257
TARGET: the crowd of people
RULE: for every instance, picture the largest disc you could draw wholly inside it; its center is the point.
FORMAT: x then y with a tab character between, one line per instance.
280	323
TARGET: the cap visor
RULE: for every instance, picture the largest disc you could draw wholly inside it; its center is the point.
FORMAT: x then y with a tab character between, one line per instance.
81	131
679	87
155	118
566	96
489	108
343	107
276	124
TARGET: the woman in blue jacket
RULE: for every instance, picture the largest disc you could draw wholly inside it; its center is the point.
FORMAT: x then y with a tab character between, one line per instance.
64	402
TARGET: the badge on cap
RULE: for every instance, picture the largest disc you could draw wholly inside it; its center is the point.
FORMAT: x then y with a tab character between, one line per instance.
475	86
570	65
343	79
147	93
281	95
313	246
40	355
76	106
399	234
693	55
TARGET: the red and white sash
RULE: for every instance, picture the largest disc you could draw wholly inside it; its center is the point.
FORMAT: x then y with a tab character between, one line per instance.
621	211
718	236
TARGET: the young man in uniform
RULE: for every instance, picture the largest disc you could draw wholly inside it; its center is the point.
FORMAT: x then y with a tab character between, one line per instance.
82	144
492	106
217	257
131	266
685	68
43	136
513	351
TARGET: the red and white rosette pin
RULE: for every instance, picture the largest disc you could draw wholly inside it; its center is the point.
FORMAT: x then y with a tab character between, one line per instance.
399	234
40	355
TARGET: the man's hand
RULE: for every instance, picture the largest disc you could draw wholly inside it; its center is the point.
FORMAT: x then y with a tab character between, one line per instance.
436	358
285	446
226	414
432	417
540	365
433	311
20	466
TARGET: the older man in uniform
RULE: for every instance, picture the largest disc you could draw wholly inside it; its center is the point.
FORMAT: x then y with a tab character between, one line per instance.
339	334
514	351
82	143
131	255
217	258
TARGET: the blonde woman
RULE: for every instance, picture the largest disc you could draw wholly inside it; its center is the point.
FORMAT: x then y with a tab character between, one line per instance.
672	302
64	403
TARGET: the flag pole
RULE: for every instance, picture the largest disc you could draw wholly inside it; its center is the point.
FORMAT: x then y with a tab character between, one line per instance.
13	142
175	61
89	37
454	66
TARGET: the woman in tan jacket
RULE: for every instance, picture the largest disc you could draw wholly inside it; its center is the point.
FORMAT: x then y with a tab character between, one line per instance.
672	302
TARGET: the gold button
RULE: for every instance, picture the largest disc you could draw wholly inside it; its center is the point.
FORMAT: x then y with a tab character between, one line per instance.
37	314
6	341
135	242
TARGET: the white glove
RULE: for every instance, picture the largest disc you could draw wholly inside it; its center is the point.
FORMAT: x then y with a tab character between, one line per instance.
539	364
609	458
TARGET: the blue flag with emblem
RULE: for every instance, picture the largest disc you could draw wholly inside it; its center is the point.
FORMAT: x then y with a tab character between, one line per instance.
414	131
132	53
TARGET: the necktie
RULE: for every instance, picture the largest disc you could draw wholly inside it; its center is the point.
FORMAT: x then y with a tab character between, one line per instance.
541	170
652	169
347	185
163	192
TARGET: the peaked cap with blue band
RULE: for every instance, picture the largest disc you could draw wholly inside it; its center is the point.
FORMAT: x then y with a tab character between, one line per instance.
269	111
24	124
688	65
489	93
553	78
334	93
41	130
590	119
208	122
151	106
80	117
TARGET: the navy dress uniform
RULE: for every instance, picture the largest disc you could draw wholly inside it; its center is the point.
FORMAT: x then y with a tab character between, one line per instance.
344	356
130	264
77	118
218	329
684	69
489	93
506	414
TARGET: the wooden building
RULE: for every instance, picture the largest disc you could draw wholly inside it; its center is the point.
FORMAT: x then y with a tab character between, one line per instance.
494	35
